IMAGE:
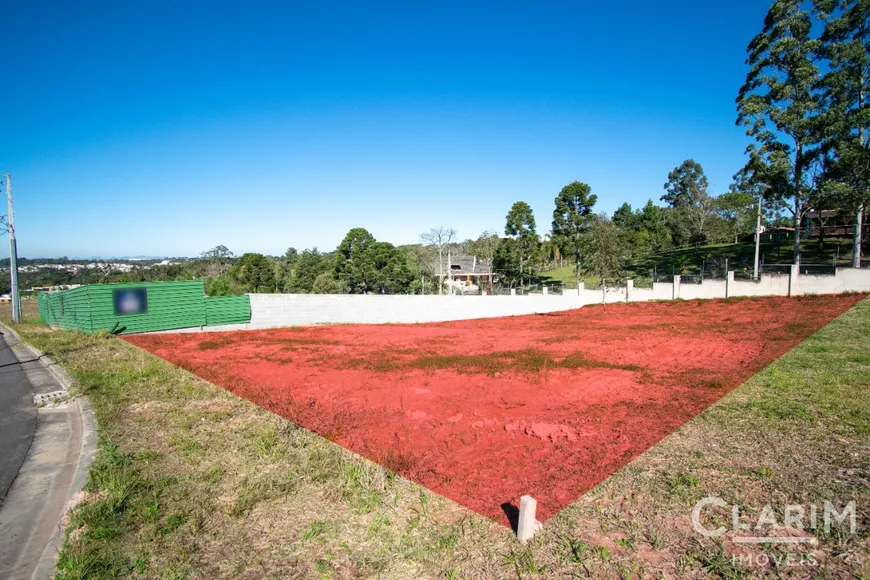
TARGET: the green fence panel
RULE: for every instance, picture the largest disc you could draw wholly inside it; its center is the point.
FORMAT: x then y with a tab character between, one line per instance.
169	305
227	310
69	309
73	311
43	301
54	305
141	307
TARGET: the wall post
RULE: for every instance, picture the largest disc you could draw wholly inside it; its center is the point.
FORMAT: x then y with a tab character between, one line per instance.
629	286
729	282
676	287
793	273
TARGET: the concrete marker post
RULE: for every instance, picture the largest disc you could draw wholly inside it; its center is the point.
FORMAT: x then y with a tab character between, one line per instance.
729	282
527	524
629	286
676	287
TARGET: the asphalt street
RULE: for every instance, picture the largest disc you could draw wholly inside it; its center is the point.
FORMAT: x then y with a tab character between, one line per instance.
17	417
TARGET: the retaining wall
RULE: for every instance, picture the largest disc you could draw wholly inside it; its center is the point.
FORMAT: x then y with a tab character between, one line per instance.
270	310
294	309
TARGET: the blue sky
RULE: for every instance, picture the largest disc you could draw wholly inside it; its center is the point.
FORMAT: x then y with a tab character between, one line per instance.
166	128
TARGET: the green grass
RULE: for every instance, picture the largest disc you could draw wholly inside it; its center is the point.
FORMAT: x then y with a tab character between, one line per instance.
528	360
191	481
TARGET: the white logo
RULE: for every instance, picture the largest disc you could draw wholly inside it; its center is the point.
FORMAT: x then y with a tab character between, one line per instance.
794	518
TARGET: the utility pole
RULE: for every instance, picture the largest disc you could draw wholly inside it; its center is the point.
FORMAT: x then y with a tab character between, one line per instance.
757	240
13	254
857	236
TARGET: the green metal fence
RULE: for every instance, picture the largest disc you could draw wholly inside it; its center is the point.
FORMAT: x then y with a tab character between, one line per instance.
154	306
227	310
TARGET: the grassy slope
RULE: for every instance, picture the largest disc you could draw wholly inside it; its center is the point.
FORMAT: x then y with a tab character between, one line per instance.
739	256
194	482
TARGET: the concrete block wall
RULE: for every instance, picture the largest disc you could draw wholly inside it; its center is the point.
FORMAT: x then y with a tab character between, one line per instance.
846	280
766	285
706	289
659	291
597	296
271	310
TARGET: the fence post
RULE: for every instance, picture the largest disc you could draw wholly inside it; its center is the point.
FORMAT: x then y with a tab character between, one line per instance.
729	282
676	286
513	291
793	273
629	286
545	290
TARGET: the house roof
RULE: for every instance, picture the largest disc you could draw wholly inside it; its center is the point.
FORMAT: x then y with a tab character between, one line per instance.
469	265
826	213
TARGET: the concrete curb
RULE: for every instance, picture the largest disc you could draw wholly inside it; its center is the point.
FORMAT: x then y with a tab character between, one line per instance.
89	440
61	375
48	561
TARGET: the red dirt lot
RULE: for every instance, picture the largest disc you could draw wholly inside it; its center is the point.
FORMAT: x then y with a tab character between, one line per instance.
484	411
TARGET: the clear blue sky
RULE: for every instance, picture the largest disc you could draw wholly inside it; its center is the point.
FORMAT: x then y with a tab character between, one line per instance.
166	128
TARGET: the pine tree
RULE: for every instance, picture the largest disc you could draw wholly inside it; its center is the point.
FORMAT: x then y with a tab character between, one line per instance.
571	219
350	258
846	88
687	194
520	224
779	105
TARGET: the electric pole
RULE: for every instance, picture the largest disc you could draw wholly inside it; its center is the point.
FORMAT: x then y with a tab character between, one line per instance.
757	240
13	254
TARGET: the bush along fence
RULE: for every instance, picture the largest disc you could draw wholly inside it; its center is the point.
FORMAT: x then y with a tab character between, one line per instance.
141	307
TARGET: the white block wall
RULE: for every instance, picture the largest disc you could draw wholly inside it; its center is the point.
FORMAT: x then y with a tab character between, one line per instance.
596	296
706	289
270	310
295	309
846	280
766	285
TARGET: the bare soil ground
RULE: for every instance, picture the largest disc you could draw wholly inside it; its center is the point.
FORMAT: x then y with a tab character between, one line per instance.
193	481
484	411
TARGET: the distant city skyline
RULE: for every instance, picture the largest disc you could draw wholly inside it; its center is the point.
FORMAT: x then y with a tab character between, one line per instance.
164	130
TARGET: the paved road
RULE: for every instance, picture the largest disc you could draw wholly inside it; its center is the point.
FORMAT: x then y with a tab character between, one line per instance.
17	417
